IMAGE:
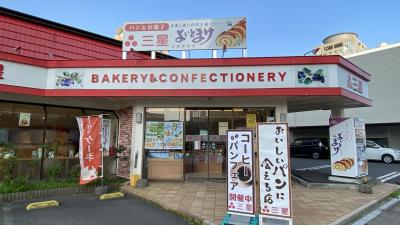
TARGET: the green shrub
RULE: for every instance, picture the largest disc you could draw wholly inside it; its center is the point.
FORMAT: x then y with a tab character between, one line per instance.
8	166
54	171
74	173
19	184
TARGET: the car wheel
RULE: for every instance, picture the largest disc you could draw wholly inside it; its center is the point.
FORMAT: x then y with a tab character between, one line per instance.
387	158
315	155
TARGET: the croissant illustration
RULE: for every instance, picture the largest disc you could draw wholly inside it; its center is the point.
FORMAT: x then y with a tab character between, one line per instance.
234	36
343	164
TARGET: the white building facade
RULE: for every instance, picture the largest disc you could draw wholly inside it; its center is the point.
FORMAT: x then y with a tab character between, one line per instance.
382	118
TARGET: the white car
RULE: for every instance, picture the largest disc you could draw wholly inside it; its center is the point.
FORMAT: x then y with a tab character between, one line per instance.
376	152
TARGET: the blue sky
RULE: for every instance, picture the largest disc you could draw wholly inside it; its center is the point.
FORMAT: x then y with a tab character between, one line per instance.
275	28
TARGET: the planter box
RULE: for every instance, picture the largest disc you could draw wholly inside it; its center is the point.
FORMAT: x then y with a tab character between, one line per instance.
21	196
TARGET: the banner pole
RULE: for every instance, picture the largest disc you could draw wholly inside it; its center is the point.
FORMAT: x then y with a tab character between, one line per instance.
102	152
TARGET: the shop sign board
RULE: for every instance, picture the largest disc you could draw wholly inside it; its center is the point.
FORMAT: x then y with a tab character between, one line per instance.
185	78
90	149
348	147
274	170
194	77
240	168
352	83
185	34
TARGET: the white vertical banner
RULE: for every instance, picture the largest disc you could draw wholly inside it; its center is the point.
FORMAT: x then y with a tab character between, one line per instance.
106	136
274	170
240	169
80	126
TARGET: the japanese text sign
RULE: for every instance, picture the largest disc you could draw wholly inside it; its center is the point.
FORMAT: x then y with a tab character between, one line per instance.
348	147
274	169
106	136
90	151
240	168
185	34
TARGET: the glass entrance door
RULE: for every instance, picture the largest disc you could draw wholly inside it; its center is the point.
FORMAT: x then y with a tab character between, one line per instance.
205	143
219	121
196	144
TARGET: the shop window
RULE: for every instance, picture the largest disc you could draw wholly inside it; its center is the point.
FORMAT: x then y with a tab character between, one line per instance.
33	131
21	126
248	117
164	132
163	143
62	132
328	47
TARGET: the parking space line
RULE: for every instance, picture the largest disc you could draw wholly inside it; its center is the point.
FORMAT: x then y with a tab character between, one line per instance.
386	175
314	168
391	177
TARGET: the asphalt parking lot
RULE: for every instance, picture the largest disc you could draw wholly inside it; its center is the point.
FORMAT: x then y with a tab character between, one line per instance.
88	210
387	173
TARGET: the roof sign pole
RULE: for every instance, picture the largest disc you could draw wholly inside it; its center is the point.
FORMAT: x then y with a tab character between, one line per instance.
153	54
124	55
244	52
183	54
214	54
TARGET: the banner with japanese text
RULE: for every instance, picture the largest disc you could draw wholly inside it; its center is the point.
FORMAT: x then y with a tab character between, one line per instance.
185	34
90	150
240	168
274	170
106	136
348	147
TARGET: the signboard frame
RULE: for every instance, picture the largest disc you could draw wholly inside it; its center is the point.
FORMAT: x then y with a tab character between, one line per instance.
253	160
183	35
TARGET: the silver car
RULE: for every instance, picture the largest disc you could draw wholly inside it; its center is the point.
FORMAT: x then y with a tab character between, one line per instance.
376	152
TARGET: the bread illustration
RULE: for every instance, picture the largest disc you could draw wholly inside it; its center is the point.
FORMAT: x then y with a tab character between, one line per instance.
343	164
234	36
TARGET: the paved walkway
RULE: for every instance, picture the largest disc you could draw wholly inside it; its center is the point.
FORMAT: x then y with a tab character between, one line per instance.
208	200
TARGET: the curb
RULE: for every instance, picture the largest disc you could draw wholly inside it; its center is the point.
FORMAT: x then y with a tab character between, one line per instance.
41	205
53	192
323	185
111	196
193	219
359	212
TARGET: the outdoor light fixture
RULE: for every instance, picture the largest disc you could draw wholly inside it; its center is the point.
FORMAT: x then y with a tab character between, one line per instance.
282	117
138	117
